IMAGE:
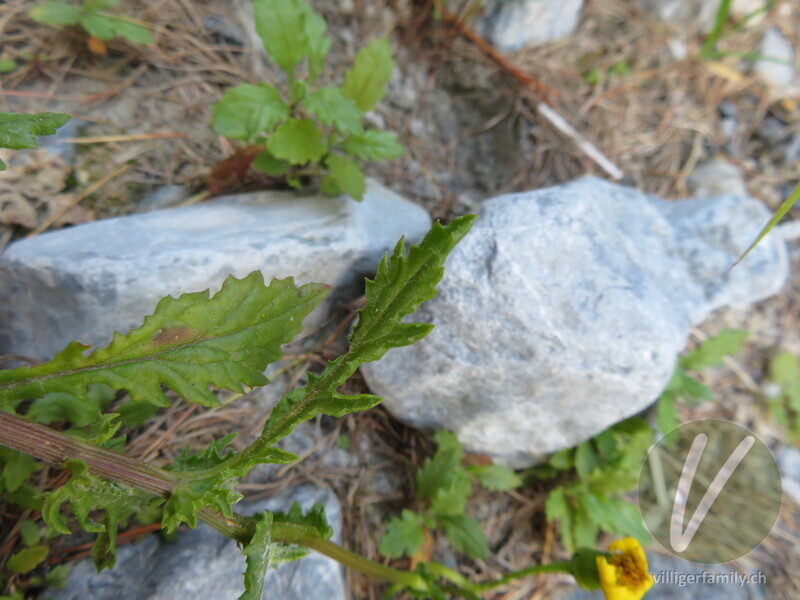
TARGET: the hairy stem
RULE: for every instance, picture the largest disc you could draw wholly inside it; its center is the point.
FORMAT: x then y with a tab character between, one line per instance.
55	447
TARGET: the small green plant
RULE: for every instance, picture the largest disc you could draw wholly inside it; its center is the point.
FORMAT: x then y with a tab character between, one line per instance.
683	387
94	17
306	131
443	488
600	469
783	393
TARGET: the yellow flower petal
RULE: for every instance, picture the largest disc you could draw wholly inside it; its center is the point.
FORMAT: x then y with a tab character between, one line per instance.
624	575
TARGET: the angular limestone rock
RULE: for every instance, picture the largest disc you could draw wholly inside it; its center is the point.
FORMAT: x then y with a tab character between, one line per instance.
205	564
563	312
85	282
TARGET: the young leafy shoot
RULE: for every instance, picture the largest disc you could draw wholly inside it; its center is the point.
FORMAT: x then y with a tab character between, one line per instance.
19	130
605	466
92	17
443	488
188	344
306	131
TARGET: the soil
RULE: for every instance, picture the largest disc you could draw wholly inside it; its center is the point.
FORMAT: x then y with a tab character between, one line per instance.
472	125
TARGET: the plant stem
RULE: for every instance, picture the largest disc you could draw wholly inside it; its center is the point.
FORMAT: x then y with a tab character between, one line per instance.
556	567
55	447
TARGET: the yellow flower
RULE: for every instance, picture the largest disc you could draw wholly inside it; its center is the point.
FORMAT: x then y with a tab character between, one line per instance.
624	576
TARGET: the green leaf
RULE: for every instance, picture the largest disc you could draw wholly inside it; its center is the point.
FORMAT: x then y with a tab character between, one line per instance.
19	130
347	175
712	351
364	82
298	141
401	284
318	43
556	506
496	477
29	532
683	385
7	65
583	566
331	107
211	456
784	369
132	414
104	549
466	535
274	167
667	413
451	497
247	110
281	24
133	32
95	5
329	186
585	459
83	493
56	578
257	558
373	145
314	518
188	344
403	535
399	288
56	13
584	528
17	467
615	515
26	496
779	214
59	406
437	470
563	460
27	560
99	26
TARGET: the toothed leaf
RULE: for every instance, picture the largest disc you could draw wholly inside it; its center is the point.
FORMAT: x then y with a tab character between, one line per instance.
365	81
247	110
188	344
400	286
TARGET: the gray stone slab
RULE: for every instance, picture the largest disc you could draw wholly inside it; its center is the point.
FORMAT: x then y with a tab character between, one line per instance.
203	564
85	282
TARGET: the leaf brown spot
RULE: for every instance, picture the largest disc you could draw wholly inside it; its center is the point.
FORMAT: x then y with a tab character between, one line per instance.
173	335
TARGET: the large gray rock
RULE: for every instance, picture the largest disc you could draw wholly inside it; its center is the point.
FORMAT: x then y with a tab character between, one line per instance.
205	564
514	24
85	282
679	579
563	312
